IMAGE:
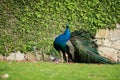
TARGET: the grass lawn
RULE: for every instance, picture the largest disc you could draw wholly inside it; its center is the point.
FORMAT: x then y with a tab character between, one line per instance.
58	71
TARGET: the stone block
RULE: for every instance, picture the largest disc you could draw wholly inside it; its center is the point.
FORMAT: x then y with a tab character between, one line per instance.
39	57
98	41
11	56
118	26
116	44
114	34
1	57
46	57
102	33
30	56
109	53
106	42
16	56
19	56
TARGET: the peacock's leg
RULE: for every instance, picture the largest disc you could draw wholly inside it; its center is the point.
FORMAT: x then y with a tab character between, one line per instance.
66	57
62	59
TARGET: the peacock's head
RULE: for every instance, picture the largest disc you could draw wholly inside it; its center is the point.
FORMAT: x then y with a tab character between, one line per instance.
67	25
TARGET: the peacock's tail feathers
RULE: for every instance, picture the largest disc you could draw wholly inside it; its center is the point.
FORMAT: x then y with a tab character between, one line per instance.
89	55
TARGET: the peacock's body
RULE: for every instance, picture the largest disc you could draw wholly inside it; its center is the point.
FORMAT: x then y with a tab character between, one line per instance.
60	44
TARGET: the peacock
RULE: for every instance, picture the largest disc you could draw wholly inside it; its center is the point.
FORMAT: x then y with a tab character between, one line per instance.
60	45
78	47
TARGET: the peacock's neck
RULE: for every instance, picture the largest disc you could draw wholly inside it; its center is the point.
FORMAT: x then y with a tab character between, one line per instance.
67	31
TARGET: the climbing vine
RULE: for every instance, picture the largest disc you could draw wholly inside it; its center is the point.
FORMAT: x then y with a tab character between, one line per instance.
28	23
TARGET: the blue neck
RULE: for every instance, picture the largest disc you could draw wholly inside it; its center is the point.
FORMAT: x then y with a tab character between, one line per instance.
67	31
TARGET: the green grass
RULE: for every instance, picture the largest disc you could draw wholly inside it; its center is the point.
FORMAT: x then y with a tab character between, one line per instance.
60	71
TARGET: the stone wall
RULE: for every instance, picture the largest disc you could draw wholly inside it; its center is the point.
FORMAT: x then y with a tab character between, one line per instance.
28	56
108	41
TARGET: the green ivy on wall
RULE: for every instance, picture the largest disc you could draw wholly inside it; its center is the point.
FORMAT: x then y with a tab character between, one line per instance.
28	23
